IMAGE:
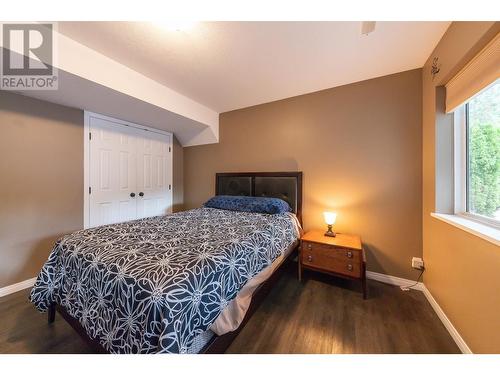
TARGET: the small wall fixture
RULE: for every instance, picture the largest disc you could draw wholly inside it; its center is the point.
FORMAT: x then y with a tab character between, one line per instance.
436	67
367	27
330	218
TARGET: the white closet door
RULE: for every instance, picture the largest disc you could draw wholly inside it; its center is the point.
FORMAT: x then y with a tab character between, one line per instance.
153	174
112	153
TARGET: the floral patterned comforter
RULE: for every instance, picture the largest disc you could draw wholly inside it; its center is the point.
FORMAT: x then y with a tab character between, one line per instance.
152	285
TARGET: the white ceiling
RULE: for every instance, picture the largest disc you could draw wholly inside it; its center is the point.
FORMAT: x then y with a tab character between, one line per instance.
231	65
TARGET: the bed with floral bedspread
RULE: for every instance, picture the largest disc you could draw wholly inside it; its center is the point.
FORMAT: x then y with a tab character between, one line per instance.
153	285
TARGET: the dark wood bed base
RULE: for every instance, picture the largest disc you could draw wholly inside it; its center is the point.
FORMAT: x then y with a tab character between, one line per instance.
218	344
73	322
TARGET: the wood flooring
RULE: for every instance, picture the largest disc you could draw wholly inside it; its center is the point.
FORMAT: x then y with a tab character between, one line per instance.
321	314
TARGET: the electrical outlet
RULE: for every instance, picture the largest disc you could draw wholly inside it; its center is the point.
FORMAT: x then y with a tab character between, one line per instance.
417	263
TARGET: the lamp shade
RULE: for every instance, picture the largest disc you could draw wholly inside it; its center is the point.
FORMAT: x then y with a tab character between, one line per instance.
330	217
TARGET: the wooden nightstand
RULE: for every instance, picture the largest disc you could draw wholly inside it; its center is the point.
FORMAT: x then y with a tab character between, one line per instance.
342	255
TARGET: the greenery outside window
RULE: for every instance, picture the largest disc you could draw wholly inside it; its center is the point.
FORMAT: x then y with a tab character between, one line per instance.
479	162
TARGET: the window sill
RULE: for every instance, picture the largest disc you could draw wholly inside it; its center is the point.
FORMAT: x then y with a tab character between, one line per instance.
484	231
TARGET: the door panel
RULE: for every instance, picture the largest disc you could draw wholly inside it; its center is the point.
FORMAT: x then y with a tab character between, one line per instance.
153	151
112	161
105	212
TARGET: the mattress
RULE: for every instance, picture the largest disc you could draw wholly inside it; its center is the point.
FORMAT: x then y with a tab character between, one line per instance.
154	285
200	342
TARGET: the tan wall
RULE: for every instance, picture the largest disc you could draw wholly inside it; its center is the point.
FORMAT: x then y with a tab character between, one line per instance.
41	188
41	181
462	270
359	147
177	176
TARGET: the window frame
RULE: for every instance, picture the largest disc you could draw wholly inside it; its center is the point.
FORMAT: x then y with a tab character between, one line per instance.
461	169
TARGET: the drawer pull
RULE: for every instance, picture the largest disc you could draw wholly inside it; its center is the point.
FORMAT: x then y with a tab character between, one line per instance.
349	267
309	246
310	258
349	254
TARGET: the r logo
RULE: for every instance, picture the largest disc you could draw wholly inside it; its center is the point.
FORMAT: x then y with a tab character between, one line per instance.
27	50
27	57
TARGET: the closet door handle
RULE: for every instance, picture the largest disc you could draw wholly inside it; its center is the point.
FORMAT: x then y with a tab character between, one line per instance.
141	194
132	195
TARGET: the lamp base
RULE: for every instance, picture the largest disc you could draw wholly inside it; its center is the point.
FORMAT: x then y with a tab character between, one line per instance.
330	232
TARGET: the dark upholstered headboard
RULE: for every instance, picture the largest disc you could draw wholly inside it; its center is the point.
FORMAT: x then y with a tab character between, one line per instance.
283	185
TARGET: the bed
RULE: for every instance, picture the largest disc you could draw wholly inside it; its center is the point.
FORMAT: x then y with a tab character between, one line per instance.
181	283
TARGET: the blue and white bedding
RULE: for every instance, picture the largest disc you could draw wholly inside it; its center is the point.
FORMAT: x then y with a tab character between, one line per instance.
153	285
263	205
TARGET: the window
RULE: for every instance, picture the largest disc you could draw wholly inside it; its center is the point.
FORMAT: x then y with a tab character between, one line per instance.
479	122
467	153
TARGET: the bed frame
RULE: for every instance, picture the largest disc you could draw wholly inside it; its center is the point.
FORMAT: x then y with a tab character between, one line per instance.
284	185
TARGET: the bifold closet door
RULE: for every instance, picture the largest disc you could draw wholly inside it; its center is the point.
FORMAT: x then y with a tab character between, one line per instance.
113	172
130	173
154	174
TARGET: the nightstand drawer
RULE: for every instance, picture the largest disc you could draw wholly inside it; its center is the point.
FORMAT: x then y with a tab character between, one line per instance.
341	256
331	264
332	252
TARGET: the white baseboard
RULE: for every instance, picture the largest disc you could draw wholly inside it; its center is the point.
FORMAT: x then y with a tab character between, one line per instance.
393	280
9	289
398	281
449	326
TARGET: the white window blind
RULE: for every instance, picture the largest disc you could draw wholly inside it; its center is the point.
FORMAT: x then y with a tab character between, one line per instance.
479	73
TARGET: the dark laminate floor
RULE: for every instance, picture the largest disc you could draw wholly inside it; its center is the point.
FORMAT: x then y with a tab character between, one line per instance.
319	315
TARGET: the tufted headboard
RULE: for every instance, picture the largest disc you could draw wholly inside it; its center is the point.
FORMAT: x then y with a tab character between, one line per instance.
283	185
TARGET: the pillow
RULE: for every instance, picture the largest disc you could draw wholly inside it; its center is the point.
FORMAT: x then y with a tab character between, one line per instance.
248	204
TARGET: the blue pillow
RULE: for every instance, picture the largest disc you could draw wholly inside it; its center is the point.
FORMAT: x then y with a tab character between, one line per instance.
248	204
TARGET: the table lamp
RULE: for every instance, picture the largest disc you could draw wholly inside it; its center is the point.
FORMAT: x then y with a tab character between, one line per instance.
330	218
